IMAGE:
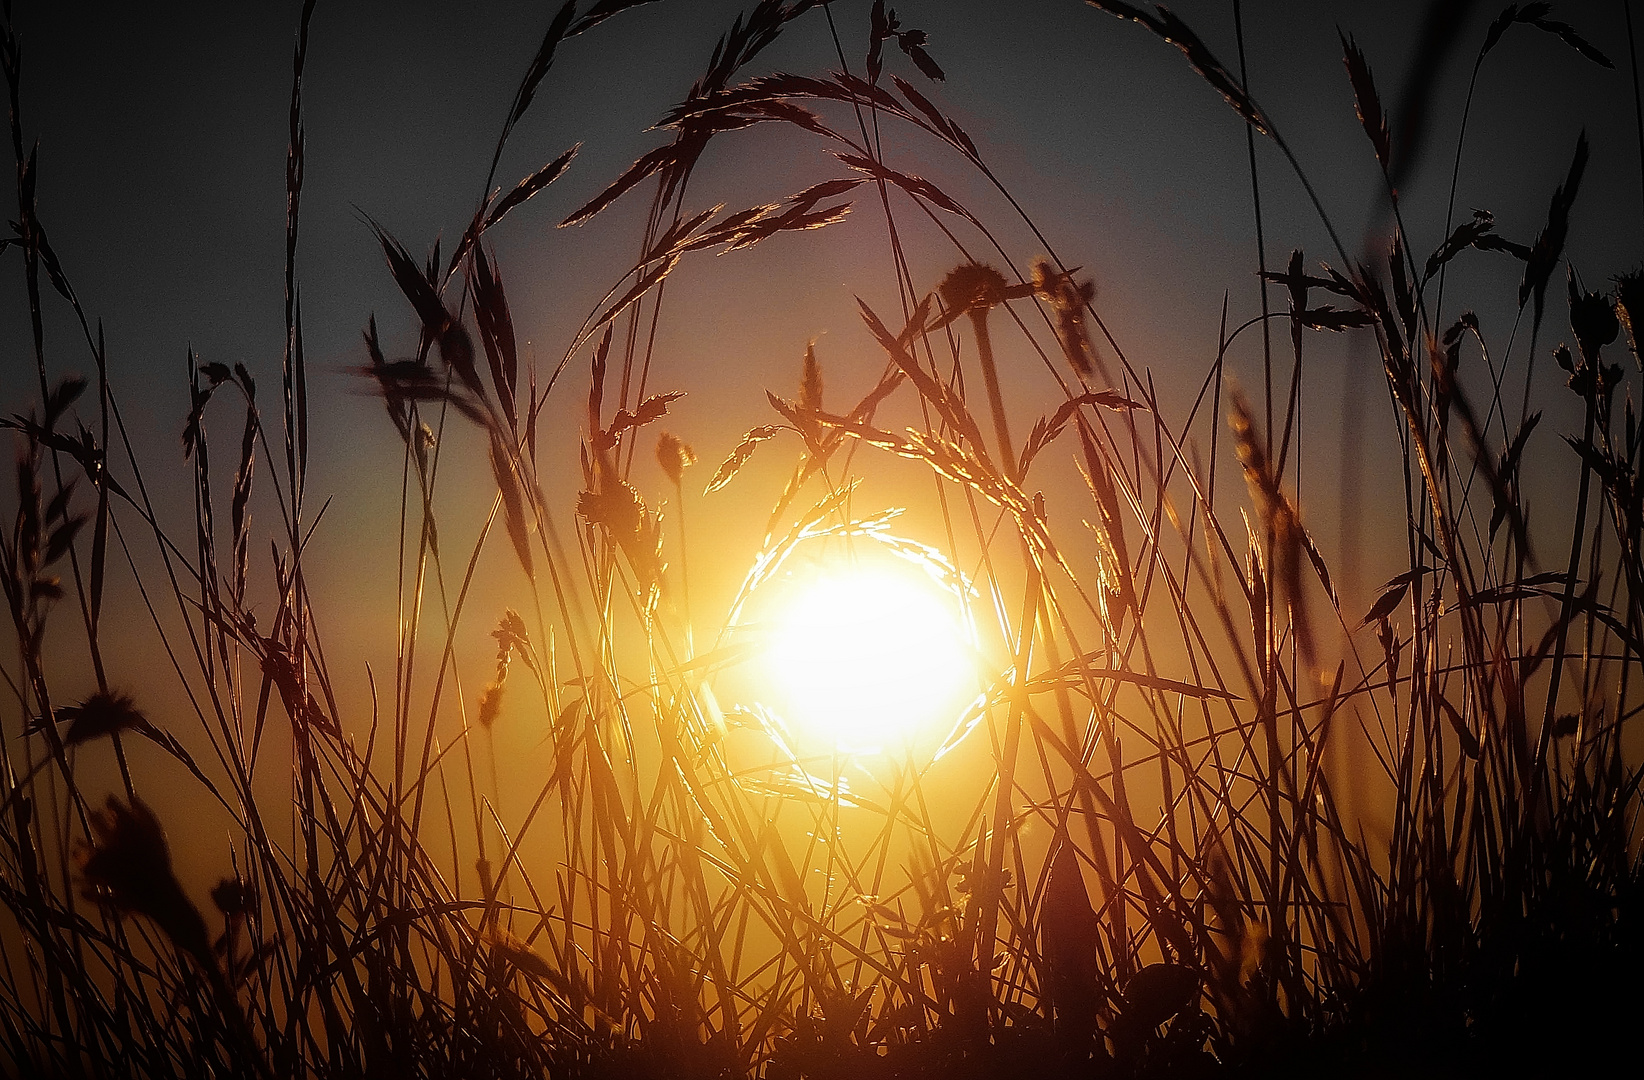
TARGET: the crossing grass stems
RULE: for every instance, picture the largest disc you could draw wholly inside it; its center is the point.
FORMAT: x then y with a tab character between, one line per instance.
1162	873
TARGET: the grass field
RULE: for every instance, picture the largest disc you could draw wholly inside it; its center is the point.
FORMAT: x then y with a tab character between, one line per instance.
1026	735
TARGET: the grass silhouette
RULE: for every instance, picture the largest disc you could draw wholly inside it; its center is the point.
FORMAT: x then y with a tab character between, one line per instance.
1162	874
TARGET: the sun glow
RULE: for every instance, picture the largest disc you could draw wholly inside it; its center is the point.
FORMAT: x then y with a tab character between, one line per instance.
871	657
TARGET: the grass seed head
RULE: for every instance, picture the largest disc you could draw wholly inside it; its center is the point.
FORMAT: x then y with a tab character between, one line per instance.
490	704
810	381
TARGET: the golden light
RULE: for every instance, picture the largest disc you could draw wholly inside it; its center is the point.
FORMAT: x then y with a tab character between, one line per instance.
870	657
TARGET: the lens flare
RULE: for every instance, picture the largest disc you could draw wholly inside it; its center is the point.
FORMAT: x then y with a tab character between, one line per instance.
871	658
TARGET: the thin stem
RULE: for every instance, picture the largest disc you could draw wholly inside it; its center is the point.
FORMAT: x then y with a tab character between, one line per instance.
990	377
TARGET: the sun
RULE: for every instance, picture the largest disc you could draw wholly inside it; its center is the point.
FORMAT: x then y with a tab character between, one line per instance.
870	657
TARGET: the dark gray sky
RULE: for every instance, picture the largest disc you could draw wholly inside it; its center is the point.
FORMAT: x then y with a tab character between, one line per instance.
162	142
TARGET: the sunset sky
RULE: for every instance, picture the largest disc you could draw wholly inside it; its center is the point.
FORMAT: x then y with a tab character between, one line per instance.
961	738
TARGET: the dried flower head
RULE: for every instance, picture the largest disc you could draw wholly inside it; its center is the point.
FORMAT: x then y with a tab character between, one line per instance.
1589	377
1593	320
234	898
972	285
103	713
673	455
127	868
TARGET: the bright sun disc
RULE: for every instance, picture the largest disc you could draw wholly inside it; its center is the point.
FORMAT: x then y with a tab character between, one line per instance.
869	658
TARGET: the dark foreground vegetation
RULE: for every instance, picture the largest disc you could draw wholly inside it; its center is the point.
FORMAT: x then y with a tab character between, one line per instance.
1162	874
